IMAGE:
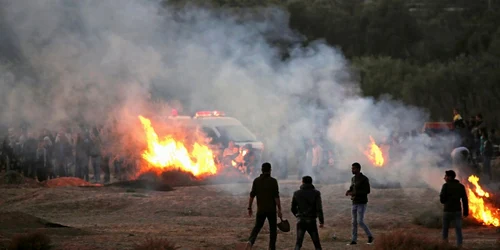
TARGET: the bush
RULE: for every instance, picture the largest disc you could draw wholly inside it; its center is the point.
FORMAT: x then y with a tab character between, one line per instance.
402	240
428	219
30	241
433	218
156	244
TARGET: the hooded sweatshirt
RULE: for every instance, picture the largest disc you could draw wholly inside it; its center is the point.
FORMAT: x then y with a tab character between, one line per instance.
306	203
451	194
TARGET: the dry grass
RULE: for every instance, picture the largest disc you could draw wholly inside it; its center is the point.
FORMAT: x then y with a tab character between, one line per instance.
384	224
433	218
192	217
30	241
156	244
402	240
428	219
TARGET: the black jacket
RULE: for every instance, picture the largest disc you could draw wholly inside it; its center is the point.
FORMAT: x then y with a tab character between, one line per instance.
266	189
451	194
360	188
306	203
488	148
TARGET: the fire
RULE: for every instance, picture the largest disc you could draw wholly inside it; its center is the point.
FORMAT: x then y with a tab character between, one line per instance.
238	162
168	153
375	154
478	208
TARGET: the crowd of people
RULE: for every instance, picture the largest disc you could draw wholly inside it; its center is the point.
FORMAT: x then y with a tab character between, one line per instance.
93	153
86	152
478	143
48	154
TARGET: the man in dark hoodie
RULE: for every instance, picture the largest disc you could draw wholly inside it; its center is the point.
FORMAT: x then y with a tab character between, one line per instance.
266	189
307	206
451	194
359	190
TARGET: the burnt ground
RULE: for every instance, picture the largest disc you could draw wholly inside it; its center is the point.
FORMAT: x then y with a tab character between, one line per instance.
203	217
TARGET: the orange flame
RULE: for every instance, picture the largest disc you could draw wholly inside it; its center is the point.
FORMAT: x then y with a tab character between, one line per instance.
375	154
478	208
169	154
238	162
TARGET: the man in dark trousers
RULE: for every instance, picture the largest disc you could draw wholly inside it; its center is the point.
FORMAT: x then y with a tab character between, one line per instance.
359	190
307	206
451	194
266	189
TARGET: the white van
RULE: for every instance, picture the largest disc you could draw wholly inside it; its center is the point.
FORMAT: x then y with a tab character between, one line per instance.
221	129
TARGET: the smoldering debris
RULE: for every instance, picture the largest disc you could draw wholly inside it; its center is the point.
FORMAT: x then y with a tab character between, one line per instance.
169	179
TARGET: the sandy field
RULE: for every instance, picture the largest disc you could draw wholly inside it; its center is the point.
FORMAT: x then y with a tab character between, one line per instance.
205	216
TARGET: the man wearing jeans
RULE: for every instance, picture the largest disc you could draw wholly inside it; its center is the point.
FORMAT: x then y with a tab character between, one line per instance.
359	190
451	194
266	189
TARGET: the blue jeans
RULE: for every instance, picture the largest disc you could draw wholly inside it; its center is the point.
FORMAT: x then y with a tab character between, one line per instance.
448	217
358	215
96	165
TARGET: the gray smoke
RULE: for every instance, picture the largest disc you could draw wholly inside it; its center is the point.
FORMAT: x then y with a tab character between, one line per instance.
101	60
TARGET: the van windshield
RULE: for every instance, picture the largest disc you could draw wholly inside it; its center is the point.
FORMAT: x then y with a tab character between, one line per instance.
236	133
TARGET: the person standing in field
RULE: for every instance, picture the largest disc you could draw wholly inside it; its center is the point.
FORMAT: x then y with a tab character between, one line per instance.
265	189
359	190
307	207
451	194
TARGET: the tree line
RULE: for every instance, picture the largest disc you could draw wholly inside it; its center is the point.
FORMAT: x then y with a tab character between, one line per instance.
435	54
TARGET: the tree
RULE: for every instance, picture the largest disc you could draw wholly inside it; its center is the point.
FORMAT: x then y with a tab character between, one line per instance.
391	30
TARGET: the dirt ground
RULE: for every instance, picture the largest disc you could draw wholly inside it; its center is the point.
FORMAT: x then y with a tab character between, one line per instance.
205	217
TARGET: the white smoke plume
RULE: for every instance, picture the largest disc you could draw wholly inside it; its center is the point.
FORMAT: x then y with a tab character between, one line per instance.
99	60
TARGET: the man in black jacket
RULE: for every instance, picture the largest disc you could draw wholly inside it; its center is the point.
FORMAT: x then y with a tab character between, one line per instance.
266	189
359	190
307	206
451	194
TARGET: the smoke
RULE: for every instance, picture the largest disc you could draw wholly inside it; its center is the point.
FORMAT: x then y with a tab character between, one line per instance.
411	161
96	61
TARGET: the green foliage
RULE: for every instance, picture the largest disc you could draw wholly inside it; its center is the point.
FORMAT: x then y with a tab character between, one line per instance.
226	3
433	54
468	82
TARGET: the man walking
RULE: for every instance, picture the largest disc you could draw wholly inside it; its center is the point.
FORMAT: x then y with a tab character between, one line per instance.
359	190
266	189
307	206
451	194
